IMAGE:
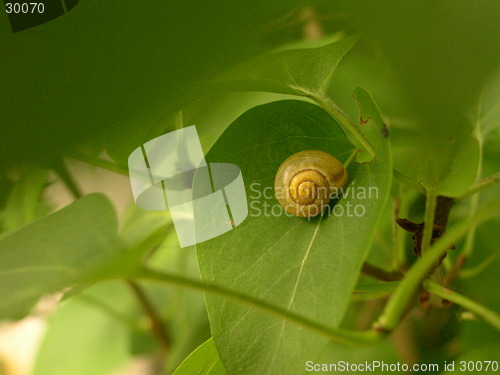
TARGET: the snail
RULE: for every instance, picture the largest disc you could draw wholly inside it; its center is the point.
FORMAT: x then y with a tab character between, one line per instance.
307	180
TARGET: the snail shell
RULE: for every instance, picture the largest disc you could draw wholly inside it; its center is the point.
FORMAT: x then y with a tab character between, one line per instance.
307	180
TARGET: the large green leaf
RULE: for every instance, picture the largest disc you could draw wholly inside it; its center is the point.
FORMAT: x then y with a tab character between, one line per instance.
443	159
100	340
203	361
334	353
55	252
303	72
102	68
477	361
446	158
430	50
296	71
307	266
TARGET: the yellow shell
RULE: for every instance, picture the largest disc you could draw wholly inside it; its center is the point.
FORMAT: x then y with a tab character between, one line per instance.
307	180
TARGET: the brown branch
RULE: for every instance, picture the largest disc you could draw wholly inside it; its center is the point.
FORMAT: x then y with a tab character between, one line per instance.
158	329
443	207
441	214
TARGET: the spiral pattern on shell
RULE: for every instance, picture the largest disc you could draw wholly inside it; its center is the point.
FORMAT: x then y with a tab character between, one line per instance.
306	182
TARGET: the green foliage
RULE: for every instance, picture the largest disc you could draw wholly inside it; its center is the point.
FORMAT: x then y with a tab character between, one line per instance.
471	361
280	72
57	251
279	290
97	59
284	71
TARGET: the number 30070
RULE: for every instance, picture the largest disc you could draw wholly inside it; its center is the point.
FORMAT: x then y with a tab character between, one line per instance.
24	8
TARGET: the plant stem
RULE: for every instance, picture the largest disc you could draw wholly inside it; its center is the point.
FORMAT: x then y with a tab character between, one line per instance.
98	162
430	211
349	159
404	294
490	316
379	273
398	258
392	313
340	335
179	119
481	185
114	314
407	201
471	272
324	101
157	327
68	180
437	210
469	240
410	182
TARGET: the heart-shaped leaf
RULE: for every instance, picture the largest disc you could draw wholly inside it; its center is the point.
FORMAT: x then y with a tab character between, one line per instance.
307	266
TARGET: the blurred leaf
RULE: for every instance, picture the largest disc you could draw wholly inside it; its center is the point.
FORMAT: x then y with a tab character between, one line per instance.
371	121
23	204
487	112
139	223
296	72
429	47
56	251
476	333
478	357
443	159
94	341
183	310
485	245
432	139
309	266
151	238
302	72
487	119
382	253
336	353
108	69
203	361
